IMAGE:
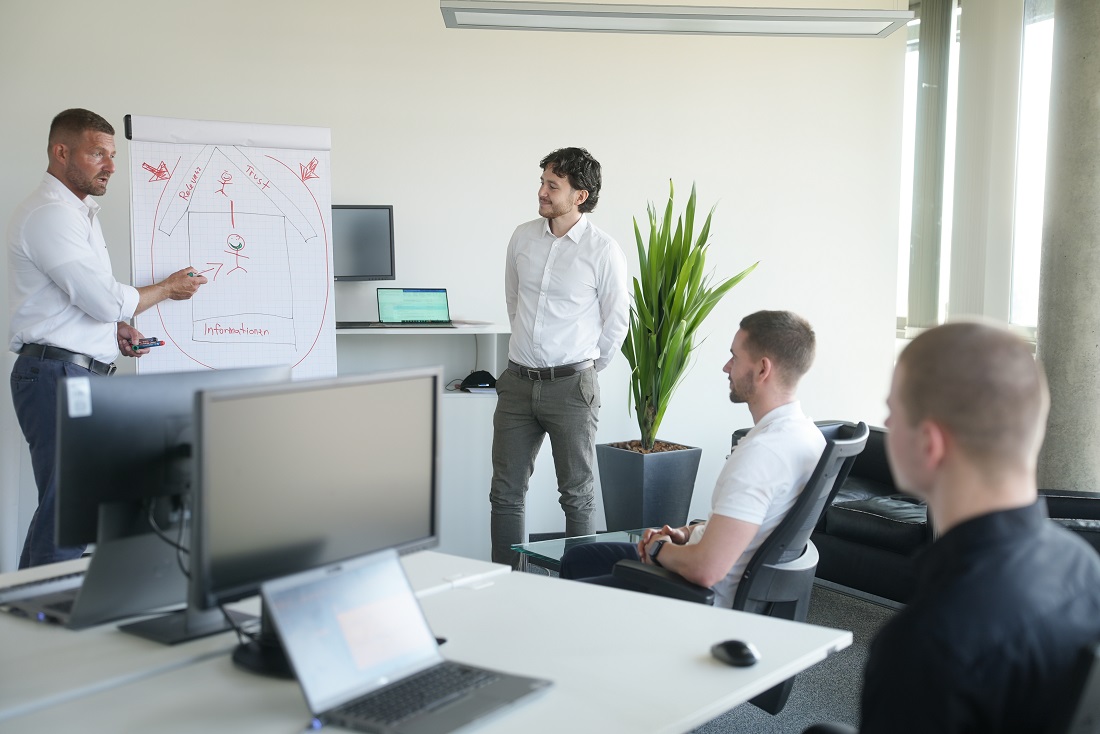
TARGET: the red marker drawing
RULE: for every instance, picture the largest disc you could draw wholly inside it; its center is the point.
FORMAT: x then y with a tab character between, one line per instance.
160	173
309	170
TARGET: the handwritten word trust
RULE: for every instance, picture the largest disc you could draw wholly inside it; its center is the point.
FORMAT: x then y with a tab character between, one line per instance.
257	178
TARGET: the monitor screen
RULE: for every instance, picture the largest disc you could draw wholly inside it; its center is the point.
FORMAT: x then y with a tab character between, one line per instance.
362	242
296	476
128	439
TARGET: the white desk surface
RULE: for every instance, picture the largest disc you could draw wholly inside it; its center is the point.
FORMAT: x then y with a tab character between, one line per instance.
44	664
620	662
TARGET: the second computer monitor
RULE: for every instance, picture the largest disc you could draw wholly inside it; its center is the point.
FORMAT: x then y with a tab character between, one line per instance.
296	476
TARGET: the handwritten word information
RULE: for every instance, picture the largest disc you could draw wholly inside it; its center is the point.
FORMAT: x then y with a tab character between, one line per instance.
242	330
255	329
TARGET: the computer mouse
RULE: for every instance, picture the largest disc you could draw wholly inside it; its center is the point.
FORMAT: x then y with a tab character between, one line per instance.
736	653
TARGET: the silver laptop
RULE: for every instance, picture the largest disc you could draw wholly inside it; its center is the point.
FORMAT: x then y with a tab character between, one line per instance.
366	659
413	307
126	576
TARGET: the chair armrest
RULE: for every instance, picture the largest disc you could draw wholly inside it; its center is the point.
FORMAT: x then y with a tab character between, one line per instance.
662	582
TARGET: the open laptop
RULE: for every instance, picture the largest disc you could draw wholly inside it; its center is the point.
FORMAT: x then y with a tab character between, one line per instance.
126	576
359	644
413	307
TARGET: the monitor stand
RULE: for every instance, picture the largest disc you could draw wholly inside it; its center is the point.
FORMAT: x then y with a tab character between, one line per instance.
186	625
264	654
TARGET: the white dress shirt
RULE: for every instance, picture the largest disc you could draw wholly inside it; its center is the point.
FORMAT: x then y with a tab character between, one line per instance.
567	296
62	290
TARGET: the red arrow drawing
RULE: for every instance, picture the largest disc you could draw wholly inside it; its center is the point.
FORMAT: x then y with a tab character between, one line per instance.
217	270
309	170
160	173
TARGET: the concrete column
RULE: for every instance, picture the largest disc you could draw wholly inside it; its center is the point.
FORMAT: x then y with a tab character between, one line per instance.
1069	284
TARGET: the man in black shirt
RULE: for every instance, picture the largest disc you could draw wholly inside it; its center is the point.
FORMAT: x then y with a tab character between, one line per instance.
1006	598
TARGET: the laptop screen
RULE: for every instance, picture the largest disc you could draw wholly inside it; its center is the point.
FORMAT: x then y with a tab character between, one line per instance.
398	305
351	628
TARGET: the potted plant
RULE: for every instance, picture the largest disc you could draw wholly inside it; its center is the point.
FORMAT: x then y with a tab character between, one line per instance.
649	482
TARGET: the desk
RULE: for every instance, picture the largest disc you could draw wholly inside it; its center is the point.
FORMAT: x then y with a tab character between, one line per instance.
595	643
42	665
547	553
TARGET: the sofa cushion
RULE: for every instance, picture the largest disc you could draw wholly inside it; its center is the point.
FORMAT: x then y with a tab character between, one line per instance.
862	488
1087	529
893	522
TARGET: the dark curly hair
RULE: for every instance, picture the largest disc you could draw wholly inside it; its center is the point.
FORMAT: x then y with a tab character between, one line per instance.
581	168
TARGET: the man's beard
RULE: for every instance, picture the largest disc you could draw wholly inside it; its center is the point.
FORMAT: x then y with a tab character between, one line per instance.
84	184
741	393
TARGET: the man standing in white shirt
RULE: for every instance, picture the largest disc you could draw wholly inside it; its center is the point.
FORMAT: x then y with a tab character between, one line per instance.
69	314
566	287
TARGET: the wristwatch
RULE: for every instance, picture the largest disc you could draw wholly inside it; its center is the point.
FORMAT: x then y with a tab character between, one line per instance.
655	550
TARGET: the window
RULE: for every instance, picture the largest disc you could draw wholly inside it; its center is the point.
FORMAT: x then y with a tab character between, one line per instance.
1001	156
928	145
1031	148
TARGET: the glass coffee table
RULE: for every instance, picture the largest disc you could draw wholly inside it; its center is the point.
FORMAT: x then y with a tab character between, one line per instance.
547	553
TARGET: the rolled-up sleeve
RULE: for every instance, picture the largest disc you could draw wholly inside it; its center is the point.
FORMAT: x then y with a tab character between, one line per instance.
57	243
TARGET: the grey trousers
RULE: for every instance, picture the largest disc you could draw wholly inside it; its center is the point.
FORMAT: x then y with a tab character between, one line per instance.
567	409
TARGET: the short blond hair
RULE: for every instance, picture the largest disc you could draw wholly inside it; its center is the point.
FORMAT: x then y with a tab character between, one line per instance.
980	382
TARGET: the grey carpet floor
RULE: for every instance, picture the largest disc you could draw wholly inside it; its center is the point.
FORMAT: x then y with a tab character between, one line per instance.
829	691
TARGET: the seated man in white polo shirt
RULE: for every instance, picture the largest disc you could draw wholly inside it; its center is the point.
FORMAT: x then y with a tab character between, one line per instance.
760	481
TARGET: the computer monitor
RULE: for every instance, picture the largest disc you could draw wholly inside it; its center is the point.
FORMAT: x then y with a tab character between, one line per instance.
129	439
298	476
362	242
124	449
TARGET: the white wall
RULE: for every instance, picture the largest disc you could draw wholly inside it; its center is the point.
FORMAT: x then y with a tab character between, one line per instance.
798	140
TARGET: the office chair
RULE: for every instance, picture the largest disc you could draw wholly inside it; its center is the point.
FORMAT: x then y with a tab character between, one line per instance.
1081	715
780	575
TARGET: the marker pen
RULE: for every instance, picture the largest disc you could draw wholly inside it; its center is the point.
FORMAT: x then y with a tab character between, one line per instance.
147	345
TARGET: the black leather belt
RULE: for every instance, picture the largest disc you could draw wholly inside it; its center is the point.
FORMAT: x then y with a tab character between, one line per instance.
64	355
549	373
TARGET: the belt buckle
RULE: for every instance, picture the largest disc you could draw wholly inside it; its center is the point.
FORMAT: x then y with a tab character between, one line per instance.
533	374
111	369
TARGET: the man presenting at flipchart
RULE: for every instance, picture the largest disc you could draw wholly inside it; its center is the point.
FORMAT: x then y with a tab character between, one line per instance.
566	287
69	314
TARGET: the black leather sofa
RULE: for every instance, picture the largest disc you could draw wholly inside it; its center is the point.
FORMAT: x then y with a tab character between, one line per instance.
869	534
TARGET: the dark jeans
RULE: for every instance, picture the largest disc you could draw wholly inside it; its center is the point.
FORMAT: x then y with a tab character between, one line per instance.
592	563
34	390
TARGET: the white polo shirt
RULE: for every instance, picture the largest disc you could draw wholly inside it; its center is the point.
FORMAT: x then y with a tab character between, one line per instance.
63	292
761	480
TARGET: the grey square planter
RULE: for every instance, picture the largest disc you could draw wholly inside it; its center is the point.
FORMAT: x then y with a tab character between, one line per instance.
646	490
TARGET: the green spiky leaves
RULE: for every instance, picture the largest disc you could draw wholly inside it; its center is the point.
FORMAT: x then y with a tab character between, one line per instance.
672	296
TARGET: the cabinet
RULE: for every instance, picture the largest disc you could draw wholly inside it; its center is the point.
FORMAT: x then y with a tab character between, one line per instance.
459	351
466	420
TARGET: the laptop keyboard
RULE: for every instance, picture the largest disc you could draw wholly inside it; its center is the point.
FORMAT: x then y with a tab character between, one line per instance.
64	606
419	693
41	587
